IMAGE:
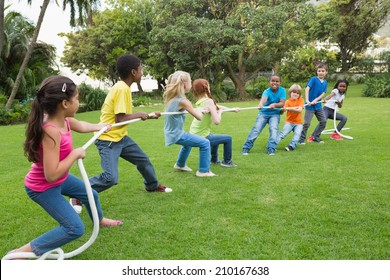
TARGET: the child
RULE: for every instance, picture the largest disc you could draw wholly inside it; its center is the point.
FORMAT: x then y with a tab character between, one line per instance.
175	101
315	89
273	99
293	106
336	98
49	146
201	90
116	143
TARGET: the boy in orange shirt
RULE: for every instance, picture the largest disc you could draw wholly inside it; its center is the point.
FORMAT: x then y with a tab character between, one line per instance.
293	106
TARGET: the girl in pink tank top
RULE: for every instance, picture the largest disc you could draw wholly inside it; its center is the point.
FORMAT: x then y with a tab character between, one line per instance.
48	146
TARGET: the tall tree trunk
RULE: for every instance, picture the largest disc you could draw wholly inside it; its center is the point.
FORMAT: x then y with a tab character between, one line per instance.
237	81
1	26
28	54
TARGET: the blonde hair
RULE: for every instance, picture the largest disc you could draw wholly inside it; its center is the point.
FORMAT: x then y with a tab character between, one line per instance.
175	85
295	87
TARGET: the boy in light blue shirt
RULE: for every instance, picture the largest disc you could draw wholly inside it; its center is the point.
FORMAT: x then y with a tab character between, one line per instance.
271	102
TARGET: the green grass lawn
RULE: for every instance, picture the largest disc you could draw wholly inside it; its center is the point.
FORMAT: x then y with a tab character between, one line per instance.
319	202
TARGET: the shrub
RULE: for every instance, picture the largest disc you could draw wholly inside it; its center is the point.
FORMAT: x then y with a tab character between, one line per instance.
91	99
139	100
377	86
17	114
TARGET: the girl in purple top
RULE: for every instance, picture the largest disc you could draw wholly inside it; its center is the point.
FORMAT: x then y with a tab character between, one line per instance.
49	146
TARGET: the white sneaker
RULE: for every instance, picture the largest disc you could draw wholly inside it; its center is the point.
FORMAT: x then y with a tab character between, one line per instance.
184	168
205	174
76	204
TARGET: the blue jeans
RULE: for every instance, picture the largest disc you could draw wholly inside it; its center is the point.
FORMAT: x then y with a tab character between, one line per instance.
188	141
320	127
71	226
127	149
215	141
287	128
261	121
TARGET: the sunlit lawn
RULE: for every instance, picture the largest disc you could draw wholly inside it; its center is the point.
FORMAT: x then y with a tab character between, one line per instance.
328	201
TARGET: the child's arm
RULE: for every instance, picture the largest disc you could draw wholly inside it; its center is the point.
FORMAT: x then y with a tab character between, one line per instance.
307	90
187	105
280	104
329	96
216	115
263	100
319	98
52	166
122	117
83	127
297	109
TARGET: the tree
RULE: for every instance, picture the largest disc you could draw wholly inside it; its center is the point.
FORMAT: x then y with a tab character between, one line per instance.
17	35
2	9
221	38
350	24
95	49
81	5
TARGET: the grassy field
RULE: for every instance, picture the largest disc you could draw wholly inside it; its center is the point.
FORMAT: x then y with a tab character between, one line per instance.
319	202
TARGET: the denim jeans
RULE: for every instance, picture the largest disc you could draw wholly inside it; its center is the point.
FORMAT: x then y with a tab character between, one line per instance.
261	121
71	226
215	141
287	128
127	149
188	141
329	114
320	127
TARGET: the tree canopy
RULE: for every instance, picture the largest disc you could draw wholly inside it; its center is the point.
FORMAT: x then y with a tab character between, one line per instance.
350	24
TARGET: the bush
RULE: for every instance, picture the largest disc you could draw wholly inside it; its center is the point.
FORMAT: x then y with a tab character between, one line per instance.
377	86
91	98
17	114
141	100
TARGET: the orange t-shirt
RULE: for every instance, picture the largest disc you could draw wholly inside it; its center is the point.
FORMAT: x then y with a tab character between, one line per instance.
294	117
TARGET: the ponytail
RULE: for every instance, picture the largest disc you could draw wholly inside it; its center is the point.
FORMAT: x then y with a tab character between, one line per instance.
53	90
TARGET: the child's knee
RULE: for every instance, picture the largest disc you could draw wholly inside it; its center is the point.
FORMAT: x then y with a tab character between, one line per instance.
76	229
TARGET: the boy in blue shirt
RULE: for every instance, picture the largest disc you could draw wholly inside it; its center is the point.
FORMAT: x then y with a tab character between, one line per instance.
315	89
272	100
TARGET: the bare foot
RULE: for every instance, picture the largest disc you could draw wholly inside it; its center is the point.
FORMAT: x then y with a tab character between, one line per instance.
105	222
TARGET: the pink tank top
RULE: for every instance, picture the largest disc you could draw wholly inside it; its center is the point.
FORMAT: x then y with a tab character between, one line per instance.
35	178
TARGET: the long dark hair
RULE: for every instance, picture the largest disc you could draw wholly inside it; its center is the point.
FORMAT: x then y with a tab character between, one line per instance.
52	91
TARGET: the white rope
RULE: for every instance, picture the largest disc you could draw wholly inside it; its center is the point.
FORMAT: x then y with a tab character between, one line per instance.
331	130
58	253
335	125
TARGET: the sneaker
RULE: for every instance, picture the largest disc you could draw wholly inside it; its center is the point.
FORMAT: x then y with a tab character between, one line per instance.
336	136
184	168
271	152
160	188
216	162
289	148
244	152
302	142
205	174
228	164
76	204
318	140
310	139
